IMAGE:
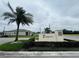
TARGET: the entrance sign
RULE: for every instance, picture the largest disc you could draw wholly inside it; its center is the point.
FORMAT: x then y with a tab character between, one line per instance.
57	36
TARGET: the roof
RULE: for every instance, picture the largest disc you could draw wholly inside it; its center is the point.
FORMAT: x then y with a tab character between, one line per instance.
20	30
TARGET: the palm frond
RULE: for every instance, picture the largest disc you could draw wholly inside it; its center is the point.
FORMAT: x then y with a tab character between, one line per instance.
11	21
29	20
8	15
28	14
10	7
26	20
20	10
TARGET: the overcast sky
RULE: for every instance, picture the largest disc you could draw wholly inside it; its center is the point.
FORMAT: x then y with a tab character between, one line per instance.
60	14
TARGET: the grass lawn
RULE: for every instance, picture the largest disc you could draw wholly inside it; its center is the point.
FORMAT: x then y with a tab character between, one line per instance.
11	46
72	34
20	37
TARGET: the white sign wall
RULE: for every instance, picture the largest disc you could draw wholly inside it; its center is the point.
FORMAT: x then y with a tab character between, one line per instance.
53	37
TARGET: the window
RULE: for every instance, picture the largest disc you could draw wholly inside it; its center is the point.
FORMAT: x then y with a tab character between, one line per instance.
14	32
26	33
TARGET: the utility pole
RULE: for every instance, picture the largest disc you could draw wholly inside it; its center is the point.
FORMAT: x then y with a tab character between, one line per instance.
3	30
40	29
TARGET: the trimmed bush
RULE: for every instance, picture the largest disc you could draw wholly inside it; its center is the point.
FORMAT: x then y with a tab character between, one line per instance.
32	39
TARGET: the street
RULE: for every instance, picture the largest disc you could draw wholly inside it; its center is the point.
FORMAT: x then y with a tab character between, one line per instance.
72	37
5	40
31	54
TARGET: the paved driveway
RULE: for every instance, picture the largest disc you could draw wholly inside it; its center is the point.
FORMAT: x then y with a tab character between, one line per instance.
4	40
72	37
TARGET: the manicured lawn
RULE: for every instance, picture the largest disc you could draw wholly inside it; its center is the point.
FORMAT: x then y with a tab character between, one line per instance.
72	34
20	37
11	46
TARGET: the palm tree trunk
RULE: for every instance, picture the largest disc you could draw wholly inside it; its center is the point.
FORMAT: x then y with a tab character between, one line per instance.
17	33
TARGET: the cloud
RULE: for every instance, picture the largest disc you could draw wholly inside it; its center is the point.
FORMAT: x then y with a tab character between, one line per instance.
59	14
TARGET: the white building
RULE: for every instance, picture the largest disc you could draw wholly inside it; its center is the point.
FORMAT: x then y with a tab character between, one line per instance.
56	36
22	32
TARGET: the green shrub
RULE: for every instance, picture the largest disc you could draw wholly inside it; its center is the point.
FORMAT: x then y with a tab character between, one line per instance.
32	39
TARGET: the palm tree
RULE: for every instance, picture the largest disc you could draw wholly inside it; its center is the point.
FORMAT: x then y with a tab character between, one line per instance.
19	16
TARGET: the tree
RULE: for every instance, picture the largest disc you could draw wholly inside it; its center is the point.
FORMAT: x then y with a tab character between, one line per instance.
19	16
47	30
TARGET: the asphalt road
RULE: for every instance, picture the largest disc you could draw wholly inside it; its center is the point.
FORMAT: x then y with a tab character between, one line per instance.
5	40
72	37
31	54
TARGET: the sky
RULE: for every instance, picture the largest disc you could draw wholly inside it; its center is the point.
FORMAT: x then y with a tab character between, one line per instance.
59	14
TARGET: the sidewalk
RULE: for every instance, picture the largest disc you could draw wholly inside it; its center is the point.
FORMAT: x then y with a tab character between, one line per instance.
31	54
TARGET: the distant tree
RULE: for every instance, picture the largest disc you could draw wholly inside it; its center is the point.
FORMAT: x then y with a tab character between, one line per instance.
65	31
47	30
19	16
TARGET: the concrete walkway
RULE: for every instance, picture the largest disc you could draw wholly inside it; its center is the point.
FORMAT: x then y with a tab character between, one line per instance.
31	54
